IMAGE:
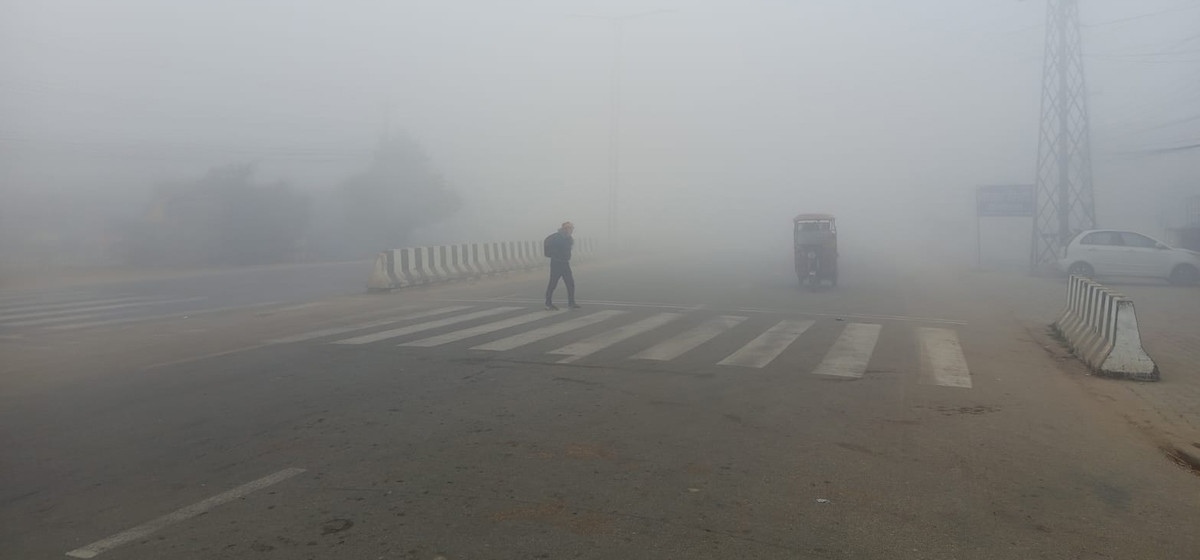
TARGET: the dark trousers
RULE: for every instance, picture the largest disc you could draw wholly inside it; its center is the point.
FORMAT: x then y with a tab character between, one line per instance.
561	269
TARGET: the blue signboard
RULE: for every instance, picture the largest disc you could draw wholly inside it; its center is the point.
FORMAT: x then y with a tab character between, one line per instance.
1004	201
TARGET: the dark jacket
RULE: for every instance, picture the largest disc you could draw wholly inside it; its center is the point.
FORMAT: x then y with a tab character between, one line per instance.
559	246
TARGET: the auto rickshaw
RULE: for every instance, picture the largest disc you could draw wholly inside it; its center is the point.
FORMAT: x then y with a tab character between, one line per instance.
816	249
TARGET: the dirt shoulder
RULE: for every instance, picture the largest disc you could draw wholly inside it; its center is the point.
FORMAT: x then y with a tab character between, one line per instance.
1167	411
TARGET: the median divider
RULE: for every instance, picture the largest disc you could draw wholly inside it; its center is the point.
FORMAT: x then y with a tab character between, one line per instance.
1100	327
413	266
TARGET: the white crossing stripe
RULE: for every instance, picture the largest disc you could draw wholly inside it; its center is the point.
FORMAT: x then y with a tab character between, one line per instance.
26	307
183	514
942	360
90	308
109	322
588	346
688	340
851	351
364	326
44	297
148	318
456	336
428	326
769	345
68	316
529	337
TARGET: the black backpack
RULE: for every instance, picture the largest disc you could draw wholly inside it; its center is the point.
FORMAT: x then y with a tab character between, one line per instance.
546	244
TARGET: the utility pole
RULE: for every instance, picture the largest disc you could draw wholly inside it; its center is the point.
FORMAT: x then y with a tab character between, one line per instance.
1064	201
614	112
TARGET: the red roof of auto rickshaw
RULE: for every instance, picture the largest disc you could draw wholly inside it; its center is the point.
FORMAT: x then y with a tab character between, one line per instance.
812	217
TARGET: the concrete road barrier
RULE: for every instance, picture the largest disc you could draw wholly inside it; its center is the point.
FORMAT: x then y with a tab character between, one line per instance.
1100	327
464	261
479	259
456	263
424	258
502	256
437	262
412	266
491	254
520	260
403	268
382	279
515	256
533	258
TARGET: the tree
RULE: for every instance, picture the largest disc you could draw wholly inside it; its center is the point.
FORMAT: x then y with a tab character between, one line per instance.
399	192
221	219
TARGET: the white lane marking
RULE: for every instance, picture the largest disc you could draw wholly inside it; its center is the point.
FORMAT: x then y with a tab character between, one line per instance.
688	340
769	345
363	326
58	318
146	529
588	346
456	336
858	316
851	352
529	337
25	307
942	358
148	318
420	327
8	318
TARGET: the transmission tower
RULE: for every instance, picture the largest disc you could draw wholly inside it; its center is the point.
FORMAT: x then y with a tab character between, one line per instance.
1064	201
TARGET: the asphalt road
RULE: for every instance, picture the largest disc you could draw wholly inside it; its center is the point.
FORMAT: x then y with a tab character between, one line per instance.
695	408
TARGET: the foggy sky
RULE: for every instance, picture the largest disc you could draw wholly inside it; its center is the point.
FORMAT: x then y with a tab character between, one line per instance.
735	114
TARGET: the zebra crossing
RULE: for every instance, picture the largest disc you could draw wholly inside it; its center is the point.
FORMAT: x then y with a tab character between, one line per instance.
61	311
728	342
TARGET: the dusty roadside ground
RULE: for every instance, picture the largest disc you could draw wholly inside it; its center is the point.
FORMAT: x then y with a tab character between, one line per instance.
1167	411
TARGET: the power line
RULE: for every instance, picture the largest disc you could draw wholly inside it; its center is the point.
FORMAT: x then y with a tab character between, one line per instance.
1190	6
1167	124
1160	151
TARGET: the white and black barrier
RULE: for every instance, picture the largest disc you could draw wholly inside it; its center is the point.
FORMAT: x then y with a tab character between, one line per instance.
1101	328
412	266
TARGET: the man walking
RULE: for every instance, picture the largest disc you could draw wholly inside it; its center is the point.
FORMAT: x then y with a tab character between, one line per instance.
558	248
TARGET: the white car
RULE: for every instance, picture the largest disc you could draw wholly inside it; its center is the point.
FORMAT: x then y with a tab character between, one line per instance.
1106	252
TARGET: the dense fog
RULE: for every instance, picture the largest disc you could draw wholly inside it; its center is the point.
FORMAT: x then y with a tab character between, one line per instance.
149	133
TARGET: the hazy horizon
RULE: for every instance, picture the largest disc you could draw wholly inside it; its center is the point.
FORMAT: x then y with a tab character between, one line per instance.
734	115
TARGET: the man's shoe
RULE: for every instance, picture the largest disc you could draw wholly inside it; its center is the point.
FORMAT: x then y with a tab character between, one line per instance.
574	305
551	307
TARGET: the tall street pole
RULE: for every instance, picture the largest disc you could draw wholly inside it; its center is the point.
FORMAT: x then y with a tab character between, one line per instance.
614	112
614	128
